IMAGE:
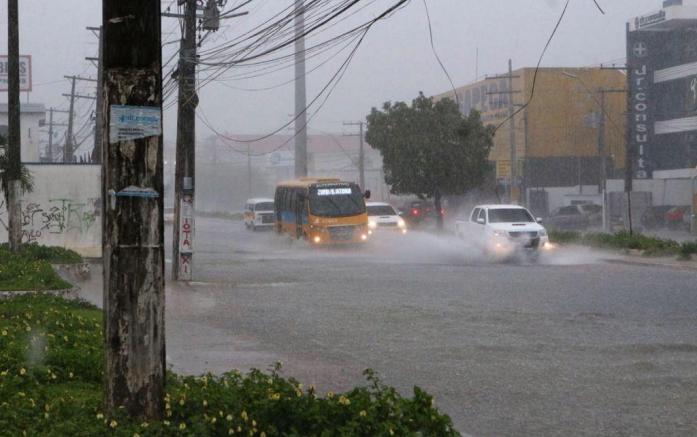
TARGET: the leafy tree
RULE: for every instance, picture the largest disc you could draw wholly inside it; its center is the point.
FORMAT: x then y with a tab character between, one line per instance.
26	180
430	149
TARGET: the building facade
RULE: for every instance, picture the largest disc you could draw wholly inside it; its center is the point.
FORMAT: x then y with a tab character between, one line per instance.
557	135
662	73
32	118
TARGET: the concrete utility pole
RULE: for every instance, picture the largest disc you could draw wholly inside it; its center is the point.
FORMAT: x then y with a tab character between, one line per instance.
184	172
99	107
132	205
68	148
300	92
513	189
361	153
514	193
14	138
51	125
249	170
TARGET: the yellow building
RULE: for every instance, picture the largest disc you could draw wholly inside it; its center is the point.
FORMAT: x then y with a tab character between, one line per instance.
556	135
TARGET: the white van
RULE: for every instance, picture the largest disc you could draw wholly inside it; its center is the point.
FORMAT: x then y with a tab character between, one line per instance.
259	213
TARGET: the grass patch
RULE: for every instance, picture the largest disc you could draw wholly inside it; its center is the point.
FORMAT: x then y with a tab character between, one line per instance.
51	361
51	254
649	246
26	272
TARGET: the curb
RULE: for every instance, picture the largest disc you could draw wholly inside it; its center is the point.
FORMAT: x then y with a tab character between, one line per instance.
677	265
67	293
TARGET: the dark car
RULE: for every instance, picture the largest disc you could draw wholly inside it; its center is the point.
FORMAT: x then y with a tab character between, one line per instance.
418	211
568	218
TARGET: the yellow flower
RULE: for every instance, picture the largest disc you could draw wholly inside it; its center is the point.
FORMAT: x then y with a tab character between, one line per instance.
45	415
100	416
70	375
275	396
182	426
22	371
28	328
213	419
205	403
343	400
113	424
166	422
230	431
229	418
4	333
330	395
263	434
363	413
254	423
181	401
244	416
136	435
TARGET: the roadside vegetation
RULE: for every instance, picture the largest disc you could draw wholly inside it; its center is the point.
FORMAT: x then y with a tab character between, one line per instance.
51	357
30	269
648	246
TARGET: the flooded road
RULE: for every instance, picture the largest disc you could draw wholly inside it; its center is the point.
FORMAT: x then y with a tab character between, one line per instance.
569	346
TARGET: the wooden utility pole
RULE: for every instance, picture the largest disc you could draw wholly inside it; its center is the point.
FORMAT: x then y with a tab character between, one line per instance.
184	172
132	183
14	142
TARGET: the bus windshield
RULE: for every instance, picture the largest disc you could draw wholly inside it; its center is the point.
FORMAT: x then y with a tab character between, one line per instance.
336	200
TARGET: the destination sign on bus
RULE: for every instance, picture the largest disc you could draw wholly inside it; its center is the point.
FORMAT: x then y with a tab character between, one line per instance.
333	191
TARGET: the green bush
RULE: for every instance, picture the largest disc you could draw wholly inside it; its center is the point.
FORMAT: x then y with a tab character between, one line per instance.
22	272
688	249
649	246
51	361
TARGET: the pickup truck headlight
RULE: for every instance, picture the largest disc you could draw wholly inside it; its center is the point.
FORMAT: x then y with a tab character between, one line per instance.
499	234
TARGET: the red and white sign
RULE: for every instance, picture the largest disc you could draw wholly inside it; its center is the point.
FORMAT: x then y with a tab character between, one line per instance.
24	73
186	236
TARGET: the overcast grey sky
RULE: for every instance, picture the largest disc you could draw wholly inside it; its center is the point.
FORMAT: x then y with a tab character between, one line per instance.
394	63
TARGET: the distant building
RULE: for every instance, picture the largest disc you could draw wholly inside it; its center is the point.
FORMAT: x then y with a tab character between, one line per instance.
32	117
662	65
556	135
223	180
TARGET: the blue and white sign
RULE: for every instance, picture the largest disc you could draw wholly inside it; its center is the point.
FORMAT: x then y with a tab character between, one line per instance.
129	123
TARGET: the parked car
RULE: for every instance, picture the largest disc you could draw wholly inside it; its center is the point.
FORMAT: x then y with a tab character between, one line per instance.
504	230
382	216
570	217
674	217
259	214
655	217
593	212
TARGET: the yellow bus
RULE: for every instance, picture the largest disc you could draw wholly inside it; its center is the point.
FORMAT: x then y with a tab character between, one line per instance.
321	211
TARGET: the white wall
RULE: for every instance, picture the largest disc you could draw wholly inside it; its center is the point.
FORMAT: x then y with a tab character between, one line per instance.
63	210
663	191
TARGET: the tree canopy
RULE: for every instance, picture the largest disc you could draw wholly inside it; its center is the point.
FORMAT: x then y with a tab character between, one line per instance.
429	148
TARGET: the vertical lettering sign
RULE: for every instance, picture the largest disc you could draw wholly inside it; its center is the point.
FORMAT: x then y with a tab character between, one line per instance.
24	73
186	236
640	70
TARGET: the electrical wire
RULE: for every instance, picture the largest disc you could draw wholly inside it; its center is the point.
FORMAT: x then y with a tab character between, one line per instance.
435	53
537	68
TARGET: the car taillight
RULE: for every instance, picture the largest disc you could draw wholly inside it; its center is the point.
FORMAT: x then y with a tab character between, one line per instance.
414	211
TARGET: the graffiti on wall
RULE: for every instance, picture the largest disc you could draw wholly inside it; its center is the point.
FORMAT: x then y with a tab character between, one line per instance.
55	217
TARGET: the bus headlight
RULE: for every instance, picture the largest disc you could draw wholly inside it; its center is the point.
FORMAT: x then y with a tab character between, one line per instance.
372	224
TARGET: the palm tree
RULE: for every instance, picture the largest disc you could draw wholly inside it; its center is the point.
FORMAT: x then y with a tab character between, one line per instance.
26	180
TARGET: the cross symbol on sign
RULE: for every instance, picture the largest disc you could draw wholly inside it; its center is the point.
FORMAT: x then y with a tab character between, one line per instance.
640	50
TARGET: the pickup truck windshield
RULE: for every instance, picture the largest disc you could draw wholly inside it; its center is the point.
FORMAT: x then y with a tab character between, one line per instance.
513	215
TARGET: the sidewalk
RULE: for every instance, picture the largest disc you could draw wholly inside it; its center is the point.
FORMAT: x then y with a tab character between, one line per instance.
663	262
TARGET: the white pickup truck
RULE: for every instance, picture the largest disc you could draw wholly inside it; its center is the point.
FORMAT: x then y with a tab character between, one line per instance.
504	230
